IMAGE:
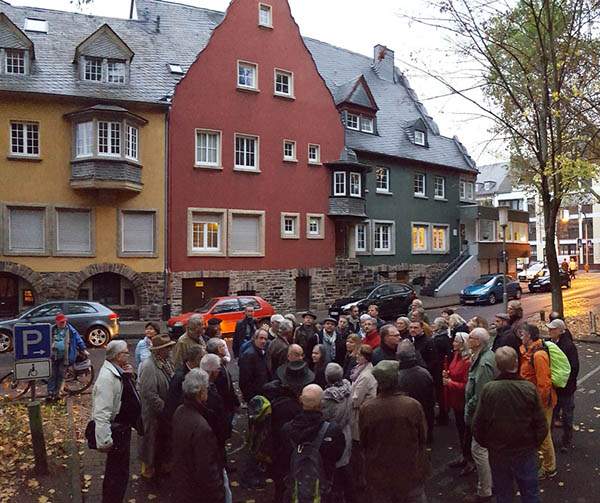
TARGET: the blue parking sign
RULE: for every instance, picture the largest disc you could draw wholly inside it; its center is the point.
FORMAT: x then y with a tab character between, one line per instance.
33	341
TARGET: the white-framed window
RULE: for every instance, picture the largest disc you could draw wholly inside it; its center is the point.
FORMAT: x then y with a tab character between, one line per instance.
366	124
265	15
352	121
360	237
109	138
27	230
383	237
25	139
470	190
420	138
131	142
73	231
246	153
315	226
138	233
289	150
84	139
206	231
208	148
420	237
382	179
112	71
284	83
339	183
314	154
462	190
246	233
93	69
439	238
115	72
419	184
355	185
14	61
247	75
290	225
440	187
466	190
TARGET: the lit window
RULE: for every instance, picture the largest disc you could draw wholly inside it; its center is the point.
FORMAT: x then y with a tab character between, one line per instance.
355	184
205	234
93	69
109	138
246	152
419	233
361	237
439	239
247	75
14	61
382	239
283	83
419	184
116	72
289	150
382	179
314	154
440	187
264	15
314	226
208	148
132	142
84	139
24	139
352	121
339	183
420	138
366	124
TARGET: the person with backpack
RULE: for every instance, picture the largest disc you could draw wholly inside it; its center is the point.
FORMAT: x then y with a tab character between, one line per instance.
312	446
535	367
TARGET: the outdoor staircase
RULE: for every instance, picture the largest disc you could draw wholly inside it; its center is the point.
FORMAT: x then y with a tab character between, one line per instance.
429	289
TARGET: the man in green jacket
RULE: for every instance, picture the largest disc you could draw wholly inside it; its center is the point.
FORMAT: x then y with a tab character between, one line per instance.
510	423
481	372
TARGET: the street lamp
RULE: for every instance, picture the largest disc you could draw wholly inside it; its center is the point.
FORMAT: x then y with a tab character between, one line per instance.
503	221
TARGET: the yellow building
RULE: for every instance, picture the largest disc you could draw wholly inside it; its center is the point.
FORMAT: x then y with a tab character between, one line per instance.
83	107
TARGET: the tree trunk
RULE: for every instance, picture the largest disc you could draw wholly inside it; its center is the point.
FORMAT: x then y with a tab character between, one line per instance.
550	213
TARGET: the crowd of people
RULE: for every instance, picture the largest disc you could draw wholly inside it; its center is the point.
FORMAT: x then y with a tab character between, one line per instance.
342	410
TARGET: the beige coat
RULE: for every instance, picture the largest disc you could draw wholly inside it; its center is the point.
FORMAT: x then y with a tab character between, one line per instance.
183	344
364	388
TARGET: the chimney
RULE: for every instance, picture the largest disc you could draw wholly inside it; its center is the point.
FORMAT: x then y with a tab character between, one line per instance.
383	62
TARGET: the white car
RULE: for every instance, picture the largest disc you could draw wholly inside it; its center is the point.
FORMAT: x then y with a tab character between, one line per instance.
531	272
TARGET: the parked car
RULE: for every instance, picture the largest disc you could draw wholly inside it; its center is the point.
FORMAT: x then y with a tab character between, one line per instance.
393	299
229	309
95	322
531	272
490	288
542	283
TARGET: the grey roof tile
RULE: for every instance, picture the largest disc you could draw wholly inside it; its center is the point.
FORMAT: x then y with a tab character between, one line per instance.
497	173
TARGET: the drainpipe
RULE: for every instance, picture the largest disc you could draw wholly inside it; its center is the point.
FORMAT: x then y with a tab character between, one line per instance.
165	309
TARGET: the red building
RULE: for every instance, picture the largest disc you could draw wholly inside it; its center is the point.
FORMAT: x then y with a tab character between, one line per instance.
251	126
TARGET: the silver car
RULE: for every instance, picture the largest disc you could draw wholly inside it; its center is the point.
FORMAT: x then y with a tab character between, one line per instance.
95	322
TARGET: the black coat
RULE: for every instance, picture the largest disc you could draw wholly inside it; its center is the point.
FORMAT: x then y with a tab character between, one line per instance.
220	423
244	331
306	337
568	348
425	347
417	383
354	325
254	373
224	385
443	350
383	352
505	336
349	364
174	394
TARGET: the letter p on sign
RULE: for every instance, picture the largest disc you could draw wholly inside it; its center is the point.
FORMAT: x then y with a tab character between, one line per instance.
30	338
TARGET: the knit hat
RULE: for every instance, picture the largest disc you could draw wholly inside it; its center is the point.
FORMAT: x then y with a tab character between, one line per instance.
386	374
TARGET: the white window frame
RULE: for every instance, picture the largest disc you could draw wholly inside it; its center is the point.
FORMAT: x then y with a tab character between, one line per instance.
98	62
251	65
197	215
132	142
255	168
208	164
317	149
462	191
337	192
365	230
121	252
290	76
294	232
9	249
118	73
263	7
382	188
367	124
357	116
420	138
470	191
446	247
27	128
109	138
320	219
437	195
423	192
22	61
426	240
354	177
380	224
91	231
85	140
261	229
292	157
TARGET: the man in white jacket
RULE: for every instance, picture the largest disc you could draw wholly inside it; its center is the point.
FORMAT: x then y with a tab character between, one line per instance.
115	410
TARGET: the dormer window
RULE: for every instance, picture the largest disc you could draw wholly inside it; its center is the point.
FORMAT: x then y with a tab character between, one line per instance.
366	124
353	121
420	138
93	69
116	72
16	49
14	61
104	70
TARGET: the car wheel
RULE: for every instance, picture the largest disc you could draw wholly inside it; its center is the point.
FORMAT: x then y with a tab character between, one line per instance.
98	337
5	342
492	299
518	294
569	283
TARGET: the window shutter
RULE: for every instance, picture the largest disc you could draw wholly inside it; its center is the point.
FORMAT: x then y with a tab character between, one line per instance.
26	230
73	231
138	232
245	233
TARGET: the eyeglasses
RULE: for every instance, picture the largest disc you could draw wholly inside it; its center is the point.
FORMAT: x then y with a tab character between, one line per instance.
124	352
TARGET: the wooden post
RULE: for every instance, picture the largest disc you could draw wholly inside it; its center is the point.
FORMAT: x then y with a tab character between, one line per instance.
542	315
37	437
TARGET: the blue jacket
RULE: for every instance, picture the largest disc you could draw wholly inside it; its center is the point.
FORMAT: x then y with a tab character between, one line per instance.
73	337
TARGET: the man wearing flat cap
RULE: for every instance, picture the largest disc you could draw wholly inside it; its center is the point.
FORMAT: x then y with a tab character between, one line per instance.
505	335
335	346
393	434
306	334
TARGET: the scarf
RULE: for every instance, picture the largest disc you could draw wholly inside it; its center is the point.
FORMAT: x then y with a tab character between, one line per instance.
165	365
356	371
329	341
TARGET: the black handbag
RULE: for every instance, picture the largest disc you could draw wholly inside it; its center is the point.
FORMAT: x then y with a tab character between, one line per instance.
90	434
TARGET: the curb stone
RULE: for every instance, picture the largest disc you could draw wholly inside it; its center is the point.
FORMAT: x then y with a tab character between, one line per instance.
73	449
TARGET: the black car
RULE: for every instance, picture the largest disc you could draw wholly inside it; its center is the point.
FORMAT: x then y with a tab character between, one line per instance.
542	283
393	299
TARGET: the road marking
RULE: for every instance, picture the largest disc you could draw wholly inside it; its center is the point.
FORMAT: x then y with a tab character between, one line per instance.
588	375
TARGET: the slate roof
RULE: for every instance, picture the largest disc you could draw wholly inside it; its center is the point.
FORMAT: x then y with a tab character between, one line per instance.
497	173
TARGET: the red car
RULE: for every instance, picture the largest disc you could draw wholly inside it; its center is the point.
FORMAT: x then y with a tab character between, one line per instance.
229	309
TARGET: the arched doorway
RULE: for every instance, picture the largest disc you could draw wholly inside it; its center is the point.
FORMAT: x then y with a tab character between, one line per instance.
16	294
114	291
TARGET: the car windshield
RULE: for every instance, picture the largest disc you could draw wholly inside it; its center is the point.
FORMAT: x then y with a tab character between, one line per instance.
484	281
536	267
205	308
361	292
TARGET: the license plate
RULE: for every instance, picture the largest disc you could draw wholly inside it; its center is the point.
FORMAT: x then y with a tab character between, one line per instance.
334	313
469	302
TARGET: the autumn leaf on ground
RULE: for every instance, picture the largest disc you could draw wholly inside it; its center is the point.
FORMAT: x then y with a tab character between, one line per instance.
33	483
151	496
43	499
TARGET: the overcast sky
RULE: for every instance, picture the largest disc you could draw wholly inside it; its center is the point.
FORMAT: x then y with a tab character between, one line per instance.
358	25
